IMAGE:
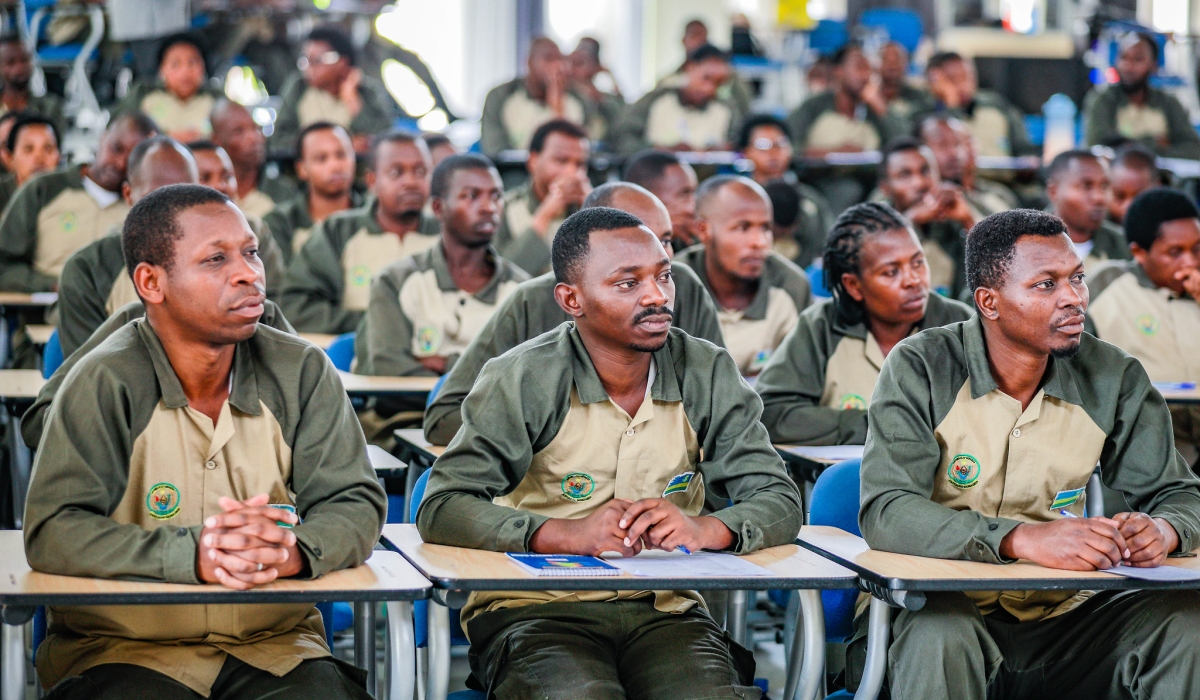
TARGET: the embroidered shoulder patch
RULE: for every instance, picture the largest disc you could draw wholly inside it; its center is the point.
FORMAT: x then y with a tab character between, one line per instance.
1147	324
578	486
963	471
163	500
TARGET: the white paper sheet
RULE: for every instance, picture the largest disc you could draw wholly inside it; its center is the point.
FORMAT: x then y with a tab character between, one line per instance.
836	453
1158	573
659	564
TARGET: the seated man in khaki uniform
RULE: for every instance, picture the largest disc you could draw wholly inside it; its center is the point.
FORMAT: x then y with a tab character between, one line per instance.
1133	171
983	437
16	75
183	429
180	101
325	163
589	439
1135	109
558	183
938	210
1150	306
58	213
328	284
531	311
818	384
903	98
512	112
235	130
685	117
674	183
1079	190
953	147
998	127
758	292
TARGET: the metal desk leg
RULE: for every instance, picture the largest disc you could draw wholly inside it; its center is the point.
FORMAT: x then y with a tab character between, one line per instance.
438	684
12	665
364	642
402	651
806	667
878	633
736	622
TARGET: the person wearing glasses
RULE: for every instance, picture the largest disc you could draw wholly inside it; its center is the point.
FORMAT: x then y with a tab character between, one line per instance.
766	142
329	88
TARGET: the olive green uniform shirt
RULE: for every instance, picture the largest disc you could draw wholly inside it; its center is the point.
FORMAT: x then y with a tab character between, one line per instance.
168	111
952	464
753	333
511	115
34	420
990	197
1108	243
998	127
660	119
531	311
95	283
541	439
816	123
328	285
1109	114
302	105
291	223
817	386
49	106
125	477
910	102
49	219
516	239
417	311
8	187
812	225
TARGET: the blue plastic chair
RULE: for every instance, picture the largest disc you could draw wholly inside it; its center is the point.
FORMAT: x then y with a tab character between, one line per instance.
437	388
901	24
835	503
52	355
828	36
816	281
341	351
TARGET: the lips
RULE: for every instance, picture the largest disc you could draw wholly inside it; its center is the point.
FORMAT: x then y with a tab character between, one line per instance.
1072	325
250	306
657	323
914	302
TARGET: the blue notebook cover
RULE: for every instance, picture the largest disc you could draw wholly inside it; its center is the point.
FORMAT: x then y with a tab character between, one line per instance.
564	565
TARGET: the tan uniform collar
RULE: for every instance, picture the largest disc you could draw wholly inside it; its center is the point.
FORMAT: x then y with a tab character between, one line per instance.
1059	381
445	283
664	384
243	394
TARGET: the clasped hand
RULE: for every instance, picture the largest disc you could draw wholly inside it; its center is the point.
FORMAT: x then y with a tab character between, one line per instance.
1090	544
244	546
628	527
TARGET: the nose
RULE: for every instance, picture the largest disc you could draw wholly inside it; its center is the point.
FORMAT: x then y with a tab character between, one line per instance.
246	272
657	296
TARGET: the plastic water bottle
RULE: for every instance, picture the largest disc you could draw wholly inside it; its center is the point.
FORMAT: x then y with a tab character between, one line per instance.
1060	113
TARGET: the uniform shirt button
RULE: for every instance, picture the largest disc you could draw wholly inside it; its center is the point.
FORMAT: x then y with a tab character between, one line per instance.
1016	432
629	432
993	526
181	531
210	464
518	523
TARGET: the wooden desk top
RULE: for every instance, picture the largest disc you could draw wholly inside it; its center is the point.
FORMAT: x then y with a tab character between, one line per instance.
39	334
321	340
455	568
821	454
19	299
913	573
385	576
1181	396
378	386
385	465
414	439
20	383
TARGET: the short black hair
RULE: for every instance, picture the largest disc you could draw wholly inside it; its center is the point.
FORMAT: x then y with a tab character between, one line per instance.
152	225
1148	39
991	245
202	145
395	136
1153	208
707	52
145	126
941	58
846	49
11	38
752	123
785	202
24	120
315	126
571	242
844	245
439	185
555	126
337	38
138	154
1135	156
646	168
900	144
434	140
188	38
604	195
712	187
1062	162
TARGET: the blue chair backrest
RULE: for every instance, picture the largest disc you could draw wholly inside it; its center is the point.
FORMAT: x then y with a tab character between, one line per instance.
835	503
437	387
902	25
52	355
341	351
816	281
421	607
828	36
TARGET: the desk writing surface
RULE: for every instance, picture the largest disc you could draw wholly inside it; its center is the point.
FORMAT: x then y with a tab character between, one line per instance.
415	439
1181	396
20	383
385	576
378	386
455	568
21	299
39	334
908	572
321	340
384	463
823	454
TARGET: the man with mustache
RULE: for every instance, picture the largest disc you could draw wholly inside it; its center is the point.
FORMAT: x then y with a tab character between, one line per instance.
1079	189
531	311
589	439
328	284
983	437
758	292
1134	109
184	429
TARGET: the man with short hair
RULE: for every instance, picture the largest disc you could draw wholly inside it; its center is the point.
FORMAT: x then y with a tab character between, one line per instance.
235	130
1133	171
1149	306
57	213
558	183
1135	109
938	210
674	183
513	111
589	439
983	437
904	100
851	117
758	292
531	311
685	117
16	70
325	162
1079	189
585	68
998	128
953	148
31	147
171	454
328	87
328	284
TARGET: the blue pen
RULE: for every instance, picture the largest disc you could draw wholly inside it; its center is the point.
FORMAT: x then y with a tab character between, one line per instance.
1067	514
683	549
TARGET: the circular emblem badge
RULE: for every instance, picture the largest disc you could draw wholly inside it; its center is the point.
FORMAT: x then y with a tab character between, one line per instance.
578	486
360	275
428	339
963	471
69	222
163	500
853	401
1147	324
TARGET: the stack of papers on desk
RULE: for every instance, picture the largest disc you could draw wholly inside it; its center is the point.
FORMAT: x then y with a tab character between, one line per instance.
1158	573
834	453
659	564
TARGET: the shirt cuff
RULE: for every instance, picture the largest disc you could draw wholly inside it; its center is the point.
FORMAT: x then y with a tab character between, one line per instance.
748	537
985	541
179	556
1183	530
517	531
310	547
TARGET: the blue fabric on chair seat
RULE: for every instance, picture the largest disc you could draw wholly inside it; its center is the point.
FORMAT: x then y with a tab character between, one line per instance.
341	351
835	503
421	607
52	355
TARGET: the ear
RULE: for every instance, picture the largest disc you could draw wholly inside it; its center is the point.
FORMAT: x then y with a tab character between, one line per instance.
302	171
127	193
7	159
702	230
1139	253
1051	189
371	179
531	162
853	286
987	303
436	205
568	299
147	280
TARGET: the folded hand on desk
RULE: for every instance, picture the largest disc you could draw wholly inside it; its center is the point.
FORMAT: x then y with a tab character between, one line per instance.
1150	540
1077	544
660	524
245	547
